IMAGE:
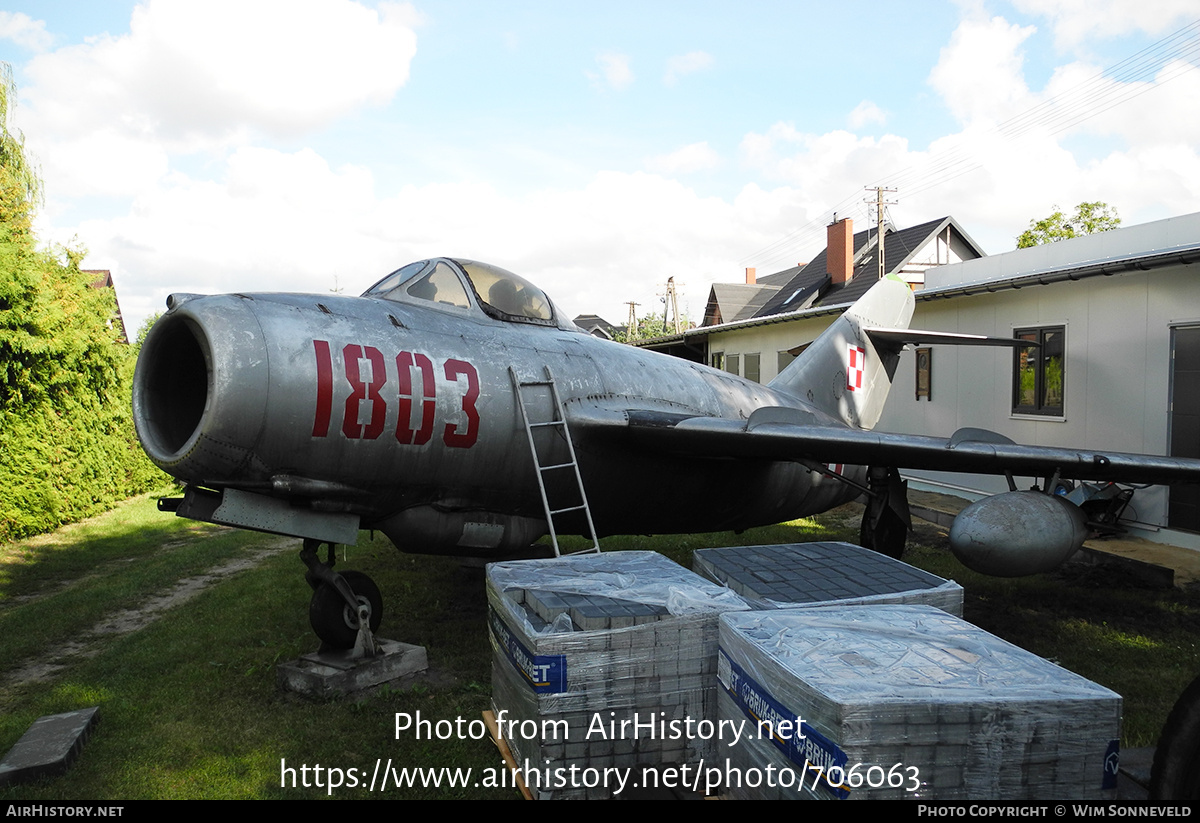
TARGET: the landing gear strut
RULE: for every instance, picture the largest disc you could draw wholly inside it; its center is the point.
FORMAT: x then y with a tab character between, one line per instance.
886	522
345	608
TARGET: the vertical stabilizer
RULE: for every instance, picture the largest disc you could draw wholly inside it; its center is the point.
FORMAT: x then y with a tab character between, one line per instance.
842	372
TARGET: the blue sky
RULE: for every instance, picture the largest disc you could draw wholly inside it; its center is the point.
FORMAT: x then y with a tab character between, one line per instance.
596	148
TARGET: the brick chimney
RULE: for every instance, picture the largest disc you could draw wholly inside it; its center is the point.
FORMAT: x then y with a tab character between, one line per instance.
749	276
839	250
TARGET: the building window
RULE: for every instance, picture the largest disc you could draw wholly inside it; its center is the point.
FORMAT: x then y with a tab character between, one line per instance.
784	360
925	374
733	363
752	369
718	360
1038	374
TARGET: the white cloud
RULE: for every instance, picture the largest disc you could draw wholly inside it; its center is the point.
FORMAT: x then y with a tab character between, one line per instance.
615	72
206	76
690	158
866	113
199	72
684	64
1138	148
103	163
279	221
1076	21
821	164
268	219
1149	111
979	73
24	30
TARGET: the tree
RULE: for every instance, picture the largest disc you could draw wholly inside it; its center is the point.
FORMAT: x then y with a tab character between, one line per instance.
67	448
1089	218
20	185
650	325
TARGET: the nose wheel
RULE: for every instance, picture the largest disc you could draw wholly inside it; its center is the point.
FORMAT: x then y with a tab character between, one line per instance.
331	616
346	609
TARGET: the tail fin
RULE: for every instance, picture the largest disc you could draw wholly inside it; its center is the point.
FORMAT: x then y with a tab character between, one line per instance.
843	372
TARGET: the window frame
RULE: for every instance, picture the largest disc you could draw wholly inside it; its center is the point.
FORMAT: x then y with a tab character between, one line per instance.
924	373
752	366
783	359
1040	406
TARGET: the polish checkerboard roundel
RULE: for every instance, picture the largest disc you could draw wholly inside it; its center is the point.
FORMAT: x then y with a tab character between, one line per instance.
854	370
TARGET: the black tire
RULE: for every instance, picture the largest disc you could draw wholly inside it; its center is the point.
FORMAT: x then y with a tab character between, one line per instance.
1176	771
332	618
889	535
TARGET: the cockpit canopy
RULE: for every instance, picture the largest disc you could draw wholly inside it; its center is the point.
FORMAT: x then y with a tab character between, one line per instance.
501	294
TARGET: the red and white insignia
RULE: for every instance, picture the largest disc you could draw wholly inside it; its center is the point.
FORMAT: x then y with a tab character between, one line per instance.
854	374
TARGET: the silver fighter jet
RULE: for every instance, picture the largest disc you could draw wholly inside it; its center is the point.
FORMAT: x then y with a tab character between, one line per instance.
454	408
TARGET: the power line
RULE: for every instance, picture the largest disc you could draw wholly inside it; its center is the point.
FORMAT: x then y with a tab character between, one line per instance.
1150	68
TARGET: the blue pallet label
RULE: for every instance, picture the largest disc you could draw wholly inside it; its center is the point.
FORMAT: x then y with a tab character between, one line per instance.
807	748
544	673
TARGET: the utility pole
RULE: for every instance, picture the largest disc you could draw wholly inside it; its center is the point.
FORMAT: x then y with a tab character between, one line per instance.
879	204
671	305
631	327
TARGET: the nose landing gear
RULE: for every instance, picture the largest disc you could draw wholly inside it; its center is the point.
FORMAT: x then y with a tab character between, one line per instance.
346	609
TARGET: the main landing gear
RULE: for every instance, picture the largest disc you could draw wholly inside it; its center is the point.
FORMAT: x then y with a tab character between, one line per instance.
345	608
886	522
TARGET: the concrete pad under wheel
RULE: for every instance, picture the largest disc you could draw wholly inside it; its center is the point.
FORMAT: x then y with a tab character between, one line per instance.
333	673
48	747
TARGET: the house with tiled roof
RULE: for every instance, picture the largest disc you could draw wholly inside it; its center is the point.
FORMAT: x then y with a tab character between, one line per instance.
730	302
741	333
849	264
597	326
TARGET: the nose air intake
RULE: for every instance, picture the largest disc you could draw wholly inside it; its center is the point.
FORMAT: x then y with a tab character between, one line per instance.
171	388
200	389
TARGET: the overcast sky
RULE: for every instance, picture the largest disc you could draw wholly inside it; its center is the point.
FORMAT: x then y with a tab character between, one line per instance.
596	148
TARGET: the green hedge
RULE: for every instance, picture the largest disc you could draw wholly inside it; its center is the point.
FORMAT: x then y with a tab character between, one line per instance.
67	447
68	459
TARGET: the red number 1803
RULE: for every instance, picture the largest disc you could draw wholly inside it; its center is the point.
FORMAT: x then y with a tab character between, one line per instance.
422	392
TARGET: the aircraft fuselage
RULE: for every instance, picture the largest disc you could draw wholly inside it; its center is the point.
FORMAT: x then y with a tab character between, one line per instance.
406	415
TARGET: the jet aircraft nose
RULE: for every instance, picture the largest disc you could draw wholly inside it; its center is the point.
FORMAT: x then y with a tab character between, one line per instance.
200	388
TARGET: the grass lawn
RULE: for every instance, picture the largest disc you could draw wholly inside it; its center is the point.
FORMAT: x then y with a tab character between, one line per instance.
188	703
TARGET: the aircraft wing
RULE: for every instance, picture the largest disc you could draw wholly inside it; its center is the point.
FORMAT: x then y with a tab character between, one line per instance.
778	433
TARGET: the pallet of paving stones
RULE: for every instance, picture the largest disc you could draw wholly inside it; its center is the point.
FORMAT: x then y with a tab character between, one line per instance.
806	574
583	646
908	702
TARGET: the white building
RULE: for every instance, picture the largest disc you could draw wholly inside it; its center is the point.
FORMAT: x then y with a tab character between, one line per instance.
1120	311
1118	317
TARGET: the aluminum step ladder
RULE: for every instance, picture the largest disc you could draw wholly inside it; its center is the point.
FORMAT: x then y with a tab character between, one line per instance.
557	424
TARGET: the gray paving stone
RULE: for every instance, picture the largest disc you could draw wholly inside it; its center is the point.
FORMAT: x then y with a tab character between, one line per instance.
48	747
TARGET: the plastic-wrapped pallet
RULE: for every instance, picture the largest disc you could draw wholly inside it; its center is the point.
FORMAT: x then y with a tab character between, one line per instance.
809	574
582	643
909	702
